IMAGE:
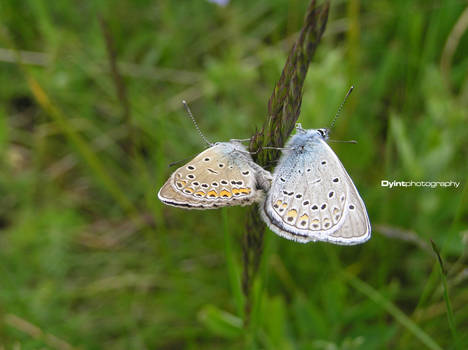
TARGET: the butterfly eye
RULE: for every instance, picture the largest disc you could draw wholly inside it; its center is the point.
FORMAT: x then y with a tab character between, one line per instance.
323	132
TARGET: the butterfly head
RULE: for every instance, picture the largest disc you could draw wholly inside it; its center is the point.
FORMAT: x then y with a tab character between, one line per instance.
305	138
311	133
230	146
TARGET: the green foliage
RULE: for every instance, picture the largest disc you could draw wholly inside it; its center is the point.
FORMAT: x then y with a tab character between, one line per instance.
89	258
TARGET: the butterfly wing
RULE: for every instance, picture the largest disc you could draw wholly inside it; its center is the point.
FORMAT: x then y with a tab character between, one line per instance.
222	175
312	198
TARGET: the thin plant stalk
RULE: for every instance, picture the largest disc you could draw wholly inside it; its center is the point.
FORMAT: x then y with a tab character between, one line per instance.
448	304
120	87
284	107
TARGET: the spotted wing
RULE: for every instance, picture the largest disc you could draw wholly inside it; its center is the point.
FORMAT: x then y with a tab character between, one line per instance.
222	175
312	198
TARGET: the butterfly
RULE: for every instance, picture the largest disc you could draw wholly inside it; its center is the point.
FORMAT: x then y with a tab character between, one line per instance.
312	198
222	175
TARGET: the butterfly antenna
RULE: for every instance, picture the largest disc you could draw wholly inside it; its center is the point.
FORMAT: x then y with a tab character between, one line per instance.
343	141
341	107
189	112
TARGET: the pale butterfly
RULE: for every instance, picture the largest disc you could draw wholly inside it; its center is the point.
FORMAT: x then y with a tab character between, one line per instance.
222	175
312	198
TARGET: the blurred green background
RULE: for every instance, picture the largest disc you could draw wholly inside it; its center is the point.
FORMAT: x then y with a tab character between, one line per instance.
90	259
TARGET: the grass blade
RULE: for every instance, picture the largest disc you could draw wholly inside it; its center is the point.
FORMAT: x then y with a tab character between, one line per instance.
233	270
448	304
83	148
393	310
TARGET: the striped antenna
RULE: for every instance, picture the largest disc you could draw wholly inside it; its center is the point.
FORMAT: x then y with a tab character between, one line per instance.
189	112
341	107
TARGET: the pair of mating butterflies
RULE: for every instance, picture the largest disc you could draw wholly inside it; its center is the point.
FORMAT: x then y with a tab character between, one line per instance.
309	197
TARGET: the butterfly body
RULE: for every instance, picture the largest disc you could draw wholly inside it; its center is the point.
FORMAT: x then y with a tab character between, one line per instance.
312	198
222	175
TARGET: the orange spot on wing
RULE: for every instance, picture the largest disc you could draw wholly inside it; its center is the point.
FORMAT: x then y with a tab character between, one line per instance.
246	190
303	220
277	204
225	194
200	193
181	183
212	194
291	215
